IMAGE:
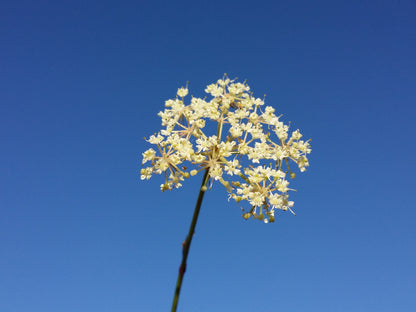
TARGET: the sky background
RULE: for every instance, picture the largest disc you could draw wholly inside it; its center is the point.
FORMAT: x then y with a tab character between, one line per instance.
81	83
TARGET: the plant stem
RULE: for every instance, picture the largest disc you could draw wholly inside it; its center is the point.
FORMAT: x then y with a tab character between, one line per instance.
187	243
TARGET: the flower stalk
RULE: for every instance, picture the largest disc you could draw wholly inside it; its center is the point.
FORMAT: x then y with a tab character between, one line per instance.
187	243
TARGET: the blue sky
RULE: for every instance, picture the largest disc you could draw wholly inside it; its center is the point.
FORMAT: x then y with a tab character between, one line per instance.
81	83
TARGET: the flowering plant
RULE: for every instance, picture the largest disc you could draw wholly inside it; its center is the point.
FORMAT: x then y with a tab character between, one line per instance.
254	134
250	154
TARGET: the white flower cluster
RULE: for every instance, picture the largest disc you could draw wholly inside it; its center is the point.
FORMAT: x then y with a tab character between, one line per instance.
249	155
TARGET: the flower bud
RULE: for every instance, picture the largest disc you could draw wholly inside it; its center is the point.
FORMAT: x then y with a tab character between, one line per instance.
247	215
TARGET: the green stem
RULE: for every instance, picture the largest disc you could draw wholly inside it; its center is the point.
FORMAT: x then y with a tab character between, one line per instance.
187	243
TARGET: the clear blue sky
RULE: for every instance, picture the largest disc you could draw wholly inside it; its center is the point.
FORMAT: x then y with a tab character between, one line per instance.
81	83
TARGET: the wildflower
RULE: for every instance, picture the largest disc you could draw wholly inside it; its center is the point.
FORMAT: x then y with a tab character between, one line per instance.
250	154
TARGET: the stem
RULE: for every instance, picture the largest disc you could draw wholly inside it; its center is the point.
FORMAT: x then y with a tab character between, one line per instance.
187	243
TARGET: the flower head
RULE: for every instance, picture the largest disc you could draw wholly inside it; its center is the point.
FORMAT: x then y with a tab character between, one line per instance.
250	154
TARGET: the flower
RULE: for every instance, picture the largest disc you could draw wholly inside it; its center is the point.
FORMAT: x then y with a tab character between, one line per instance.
182	92
250	154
